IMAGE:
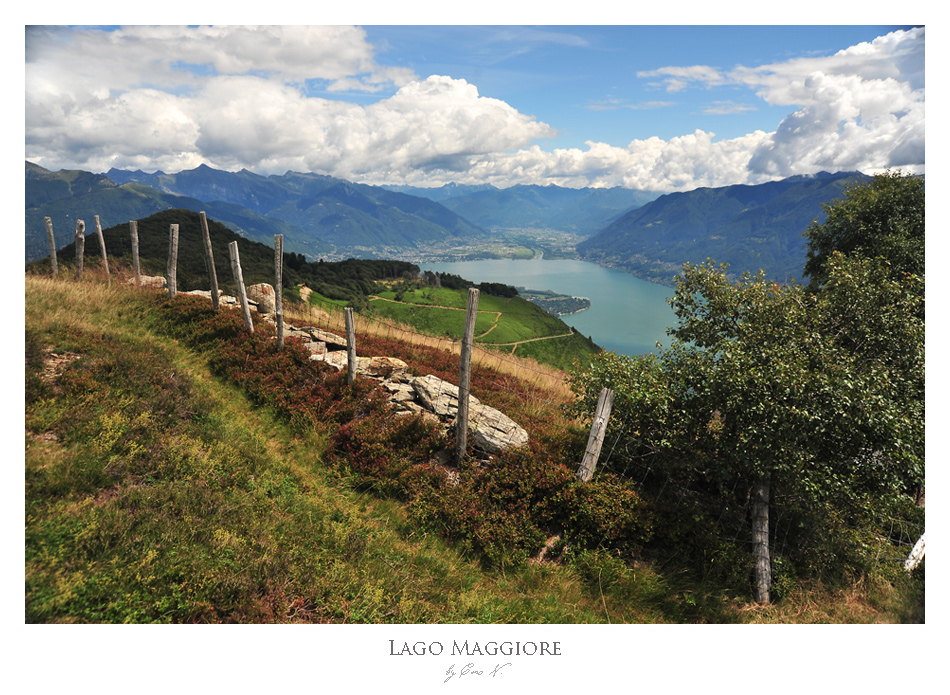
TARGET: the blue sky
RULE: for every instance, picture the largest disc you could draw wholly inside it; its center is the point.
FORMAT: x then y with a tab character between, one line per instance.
651	107
583	80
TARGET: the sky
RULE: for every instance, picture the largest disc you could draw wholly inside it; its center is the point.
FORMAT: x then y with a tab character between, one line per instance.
660	108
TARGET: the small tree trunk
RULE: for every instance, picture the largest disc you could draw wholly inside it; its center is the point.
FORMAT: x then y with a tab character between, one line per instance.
350	346
598	430
760	540
465	376
239	282
172	273
279	288
209	260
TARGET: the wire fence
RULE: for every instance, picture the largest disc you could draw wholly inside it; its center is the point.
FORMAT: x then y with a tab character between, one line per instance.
537	392
38	248
528	393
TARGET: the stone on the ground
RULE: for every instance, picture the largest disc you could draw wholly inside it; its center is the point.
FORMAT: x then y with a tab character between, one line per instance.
263	295
155	282
492	431
441	397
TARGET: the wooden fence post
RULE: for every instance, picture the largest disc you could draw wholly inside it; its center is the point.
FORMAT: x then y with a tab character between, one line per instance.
102	247
279	288
134	231
52	245
598	430
239	281
465	375
80	246
172	273
350	346
916	555
209	260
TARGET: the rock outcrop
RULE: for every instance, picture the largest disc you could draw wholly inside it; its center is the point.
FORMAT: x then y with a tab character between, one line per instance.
263	295
490	430
155	282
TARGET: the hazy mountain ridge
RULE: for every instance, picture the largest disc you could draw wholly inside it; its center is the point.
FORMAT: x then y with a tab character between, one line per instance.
580	210
318	215
748	226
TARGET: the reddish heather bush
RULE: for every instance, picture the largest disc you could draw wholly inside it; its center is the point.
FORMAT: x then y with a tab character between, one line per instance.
503	512
384	449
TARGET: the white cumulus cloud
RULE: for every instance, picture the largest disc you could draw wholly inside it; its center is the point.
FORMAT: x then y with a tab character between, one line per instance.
278	98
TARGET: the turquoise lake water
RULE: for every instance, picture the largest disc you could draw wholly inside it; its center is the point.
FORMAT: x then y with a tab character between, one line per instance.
627	314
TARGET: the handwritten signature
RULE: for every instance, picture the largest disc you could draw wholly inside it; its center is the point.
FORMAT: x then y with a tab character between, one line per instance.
470	670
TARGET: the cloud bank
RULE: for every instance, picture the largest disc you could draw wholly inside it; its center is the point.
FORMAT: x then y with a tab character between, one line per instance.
265	99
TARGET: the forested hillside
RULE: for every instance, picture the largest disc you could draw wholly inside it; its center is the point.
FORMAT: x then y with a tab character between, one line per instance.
751	228
373	220
67	196
338	280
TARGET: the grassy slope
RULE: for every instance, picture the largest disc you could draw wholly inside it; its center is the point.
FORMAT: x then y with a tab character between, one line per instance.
160	495
155	493
506	323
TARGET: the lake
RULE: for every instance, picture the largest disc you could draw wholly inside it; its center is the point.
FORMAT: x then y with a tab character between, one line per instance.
627	314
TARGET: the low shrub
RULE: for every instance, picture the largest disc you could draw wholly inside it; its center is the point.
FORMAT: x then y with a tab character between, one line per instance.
503	512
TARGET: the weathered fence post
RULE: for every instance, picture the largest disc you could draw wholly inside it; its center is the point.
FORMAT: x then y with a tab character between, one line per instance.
598	430
209	260
134	230
465	375
172	273
52	245
350	346
102	246
239	281
916	555
279	288
80	246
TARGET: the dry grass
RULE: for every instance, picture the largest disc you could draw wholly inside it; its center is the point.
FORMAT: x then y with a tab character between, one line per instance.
550	380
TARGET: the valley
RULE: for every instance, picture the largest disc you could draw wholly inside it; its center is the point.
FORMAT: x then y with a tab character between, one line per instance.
525	243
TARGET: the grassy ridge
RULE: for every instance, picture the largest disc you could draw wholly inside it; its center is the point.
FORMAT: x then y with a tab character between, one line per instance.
178	471
157	493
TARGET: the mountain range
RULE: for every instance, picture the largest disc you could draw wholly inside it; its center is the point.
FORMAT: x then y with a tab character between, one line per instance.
750	227
352	216
319	216
69	195
582	211
647	234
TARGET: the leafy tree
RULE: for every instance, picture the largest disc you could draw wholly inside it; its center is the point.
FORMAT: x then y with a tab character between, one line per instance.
816	394
884	217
